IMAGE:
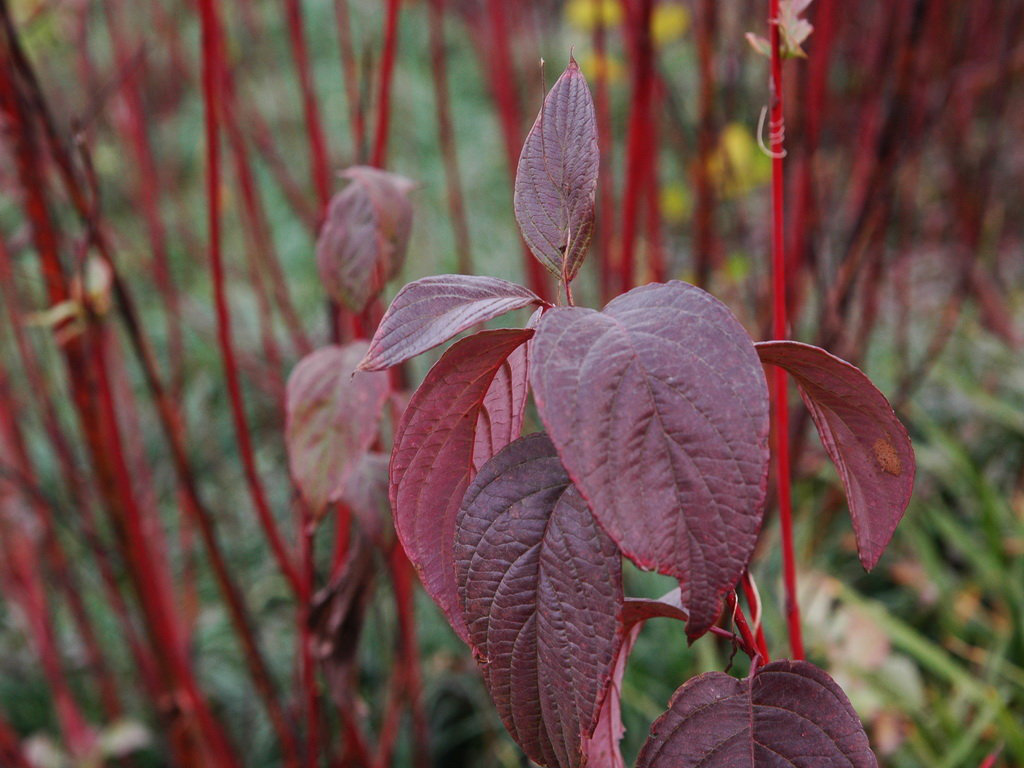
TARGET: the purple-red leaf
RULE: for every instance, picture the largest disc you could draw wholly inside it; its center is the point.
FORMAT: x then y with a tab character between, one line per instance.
557	176
541	587
430	311
501	419
432	459
790	714
365	493
364	236
336	620
602	748
331	420
862	435
659	409
636	610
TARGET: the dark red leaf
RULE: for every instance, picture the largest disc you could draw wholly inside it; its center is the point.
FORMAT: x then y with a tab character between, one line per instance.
336	620
432	459
331	420
430	311
639	609
364	236
557	176
659	409
790	714
541	588
501	419
602	748
365	493
862	435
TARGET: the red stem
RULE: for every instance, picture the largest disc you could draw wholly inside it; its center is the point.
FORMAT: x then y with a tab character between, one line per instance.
91	394
496	55
387	69
637	136
212	77
10	747
780	331
657	268
704	211
749	643
148	188
256	219
750	592
446	135
307	657
22	574
320	165
605	180
350	75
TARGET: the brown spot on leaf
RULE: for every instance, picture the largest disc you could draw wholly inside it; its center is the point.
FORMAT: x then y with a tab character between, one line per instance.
886	456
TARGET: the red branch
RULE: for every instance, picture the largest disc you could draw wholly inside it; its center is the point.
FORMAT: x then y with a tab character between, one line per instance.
387	70
780	331
212	78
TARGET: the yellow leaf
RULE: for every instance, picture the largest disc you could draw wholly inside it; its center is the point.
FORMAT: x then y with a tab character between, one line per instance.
676	203
737	166
593	65
586	14
669	22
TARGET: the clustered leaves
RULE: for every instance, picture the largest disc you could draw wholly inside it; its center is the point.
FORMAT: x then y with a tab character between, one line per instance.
656	449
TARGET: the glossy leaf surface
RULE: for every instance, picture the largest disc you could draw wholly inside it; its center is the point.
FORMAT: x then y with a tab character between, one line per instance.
861	434
430	311
541	589
332	418
432	459
557	176
364	236
659	409
790	714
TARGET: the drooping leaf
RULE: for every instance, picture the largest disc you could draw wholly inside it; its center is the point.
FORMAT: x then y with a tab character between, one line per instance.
336	620
430	311
862	435
789	714
557	176
659	409
365	493
331	420
541	588
432	459
364	236
602	749
501	419
636	610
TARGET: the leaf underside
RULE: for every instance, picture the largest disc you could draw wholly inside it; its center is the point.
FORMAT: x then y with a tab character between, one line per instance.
364	236
501	419
659	410
432	459
541	588
791	714
557	176
861	434
430	311
331	420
